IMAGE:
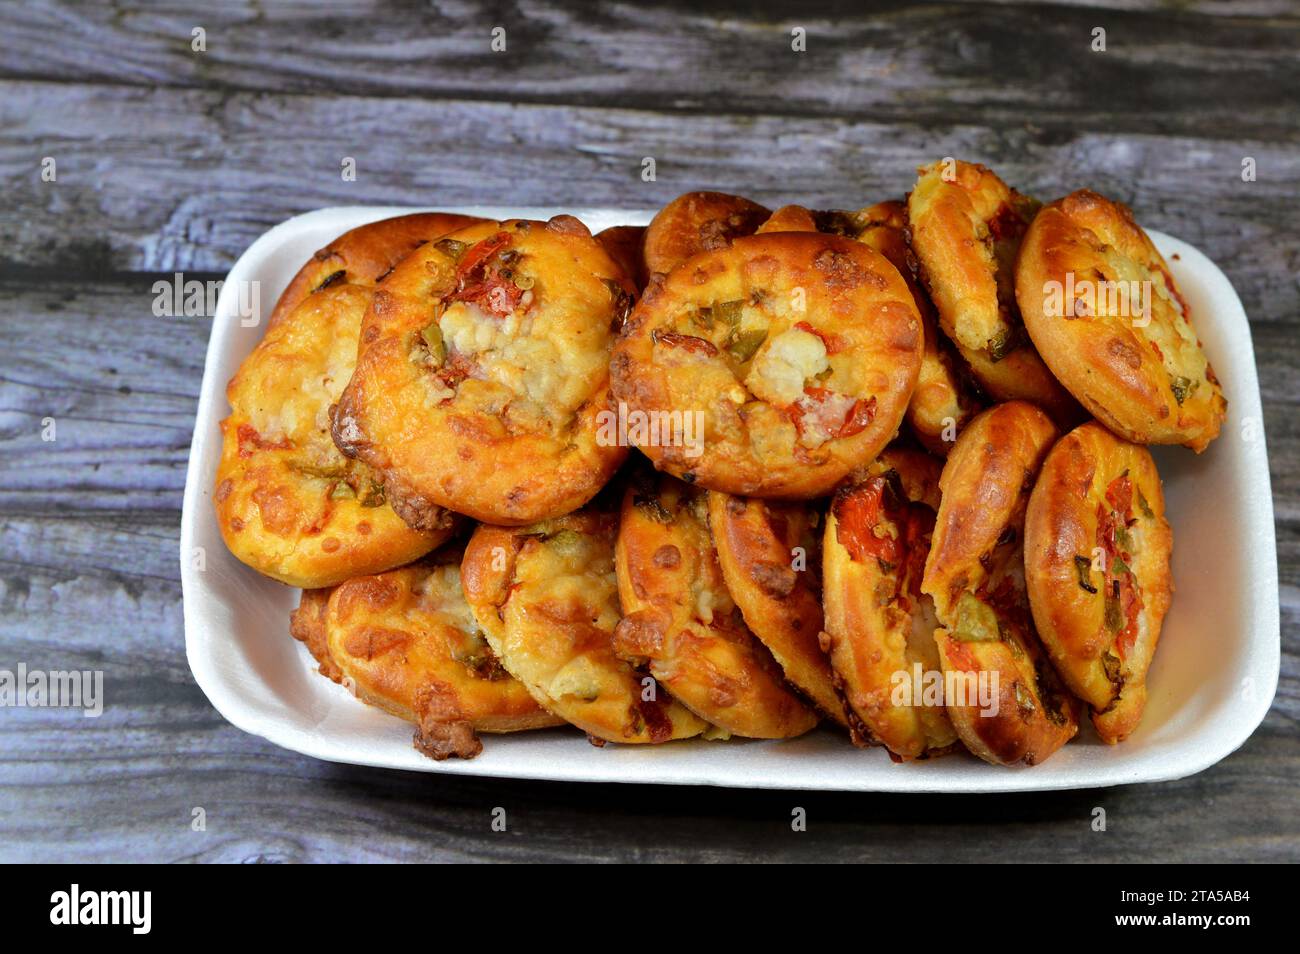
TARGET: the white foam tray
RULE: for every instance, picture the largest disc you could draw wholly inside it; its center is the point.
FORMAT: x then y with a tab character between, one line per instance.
1213	679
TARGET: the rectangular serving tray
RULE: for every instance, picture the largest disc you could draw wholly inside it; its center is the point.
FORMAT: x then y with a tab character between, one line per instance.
1212	681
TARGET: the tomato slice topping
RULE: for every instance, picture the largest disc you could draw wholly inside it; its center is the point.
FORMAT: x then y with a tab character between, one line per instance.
479	280
834	343
837	415
861	516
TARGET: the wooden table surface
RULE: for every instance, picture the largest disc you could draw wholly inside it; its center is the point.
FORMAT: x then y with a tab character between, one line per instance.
171	160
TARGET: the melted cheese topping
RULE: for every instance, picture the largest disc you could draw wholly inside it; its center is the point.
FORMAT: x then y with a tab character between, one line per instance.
543	379
783	364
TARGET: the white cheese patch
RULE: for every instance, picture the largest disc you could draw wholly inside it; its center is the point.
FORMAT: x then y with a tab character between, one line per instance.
784	363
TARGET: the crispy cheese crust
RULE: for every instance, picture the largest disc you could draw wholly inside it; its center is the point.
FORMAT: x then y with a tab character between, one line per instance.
680	621
483	372
698	222
288	503
797	351
975	574
406	642
879	625
364	255
1140	370
770	555
966	226
546	598
1097	550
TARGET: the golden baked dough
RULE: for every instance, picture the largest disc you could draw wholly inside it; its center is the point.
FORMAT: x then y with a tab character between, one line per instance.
483	369
1097	550
965	227
1105	314
624	244
364	255
942	402
975	574
770	553
406	642
288	503
879	625
697	222
547	599
790	218
307	625
796	351
680	622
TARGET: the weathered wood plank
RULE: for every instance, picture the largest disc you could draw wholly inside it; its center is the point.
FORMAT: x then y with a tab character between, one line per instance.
264	804
118	385
1188	68
120	204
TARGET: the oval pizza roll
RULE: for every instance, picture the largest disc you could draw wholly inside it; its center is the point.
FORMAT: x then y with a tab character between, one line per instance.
975	574
406	642
698	222
483	373
546	598
288	503
1097	550
364	255
1105	314
879	625
770	555
965	226
680	621
795	353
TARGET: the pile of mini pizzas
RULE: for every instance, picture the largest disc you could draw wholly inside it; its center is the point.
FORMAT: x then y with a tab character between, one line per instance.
737	473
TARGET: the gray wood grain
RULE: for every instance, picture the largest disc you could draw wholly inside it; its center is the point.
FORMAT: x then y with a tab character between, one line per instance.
150	216
169	160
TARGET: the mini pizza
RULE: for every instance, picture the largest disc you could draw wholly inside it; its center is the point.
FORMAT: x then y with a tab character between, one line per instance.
288	503
406	642
680	621
698	222
879	630
975	575
546	598
364	255
483	373
1097	550
624	244
795	354
1107	317
770	555
965	226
